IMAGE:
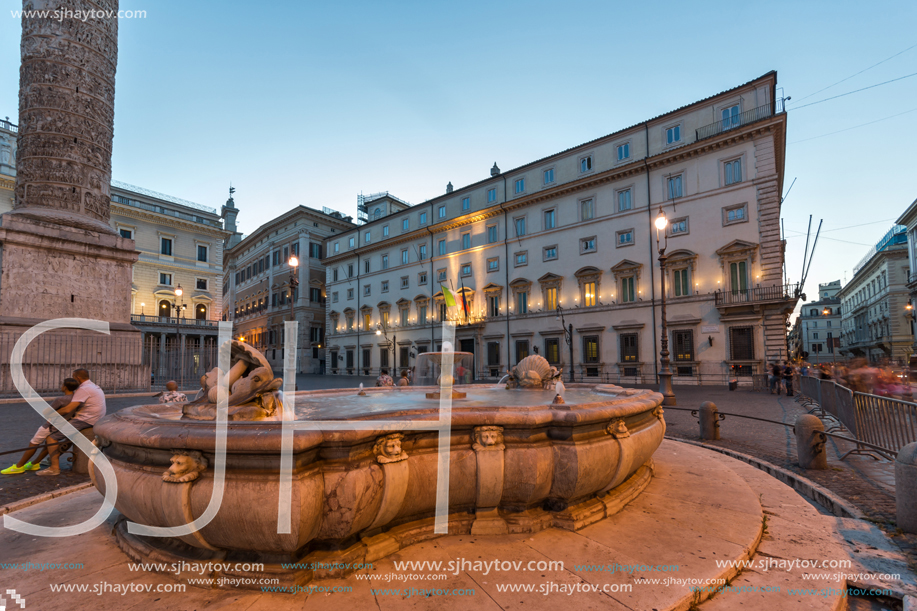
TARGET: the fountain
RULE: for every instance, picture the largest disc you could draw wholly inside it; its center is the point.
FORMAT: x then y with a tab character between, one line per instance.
519	463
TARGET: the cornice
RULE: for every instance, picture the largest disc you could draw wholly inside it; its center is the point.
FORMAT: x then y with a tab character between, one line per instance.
167	221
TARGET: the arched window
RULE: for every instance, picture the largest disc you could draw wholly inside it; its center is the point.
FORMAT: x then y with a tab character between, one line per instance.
377	213
165	308
200	312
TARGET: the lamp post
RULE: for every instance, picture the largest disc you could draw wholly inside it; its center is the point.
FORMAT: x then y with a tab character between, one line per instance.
568	335
827	312
294	283
381	329
665	373
178	310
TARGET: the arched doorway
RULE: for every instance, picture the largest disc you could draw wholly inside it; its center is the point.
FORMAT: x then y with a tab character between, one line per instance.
165	308
200	312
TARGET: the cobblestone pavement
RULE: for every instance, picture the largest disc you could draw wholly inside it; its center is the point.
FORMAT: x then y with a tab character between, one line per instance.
863	481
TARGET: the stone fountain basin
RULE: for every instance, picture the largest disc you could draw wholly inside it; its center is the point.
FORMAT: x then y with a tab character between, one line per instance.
558	465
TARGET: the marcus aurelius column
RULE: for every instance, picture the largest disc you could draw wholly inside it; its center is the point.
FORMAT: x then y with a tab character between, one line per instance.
60	256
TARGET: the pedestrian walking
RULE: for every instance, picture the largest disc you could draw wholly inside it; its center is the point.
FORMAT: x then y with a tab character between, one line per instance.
788	378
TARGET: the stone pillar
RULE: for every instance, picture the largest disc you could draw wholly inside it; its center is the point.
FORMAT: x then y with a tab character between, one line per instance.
709	420
906	488
810	442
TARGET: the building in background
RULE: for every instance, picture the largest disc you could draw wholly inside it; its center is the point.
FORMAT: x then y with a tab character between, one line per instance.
909	221
568	244
257	274
874	316
818	328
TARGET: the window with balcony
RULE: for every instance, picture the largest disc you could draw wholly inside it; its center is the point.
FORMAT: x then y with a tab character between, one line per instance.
738	276
730	117
681	285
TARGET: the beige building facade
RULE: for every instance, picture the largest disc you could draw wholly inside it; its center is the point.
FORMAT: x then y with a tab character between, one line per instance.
875	320
819	326
257	274
568	242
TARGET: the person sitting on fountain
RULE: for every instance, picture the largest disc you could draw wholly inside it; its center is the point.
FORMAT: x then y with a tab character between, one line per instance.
87	406
26	463
404	378
384	379
171	394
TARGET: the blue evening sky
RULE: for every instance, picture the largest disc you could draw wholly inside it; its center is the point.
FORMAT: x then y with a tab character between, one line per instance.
311	103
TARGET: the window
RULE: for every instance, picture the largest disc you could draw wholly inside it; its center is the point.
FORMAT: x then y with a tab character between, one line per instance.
493	305
337	247
519	185
520	226
627	289
741	343
367	321
350	242
552	350
442	247
404	256
673	134
624	200
521	258
550	299
587	209
624	151
405	224
315	250
549	176
493	264
522	349
366	290
315	294
678	226
466	203
466	241
442	311
493	354
549	253
384	316
734	214
367	237
589	298
276	257
585	164
423	218
491	195
629	348
738	277
626	237
165	246
366	266
673	187
682	286
466	269
385	231
442	212
422	278
683	342
522	303
405	314
549	219
127	233
730	117
383	357
165	279
591	349
349	293
421	315
404	282
815	336
385	286
422	252
350	270
334	297
491	234
334	275
732	171
587	245
440	275
201	284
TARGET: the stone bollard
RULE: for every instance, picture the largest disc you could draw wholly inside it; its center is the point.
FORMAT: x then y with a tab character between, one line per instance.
906	487
810	442
709	420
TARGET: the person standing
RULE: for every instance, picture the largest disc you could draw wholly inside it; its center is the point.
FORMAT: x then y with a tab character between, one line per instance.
776	373
87	405
788	378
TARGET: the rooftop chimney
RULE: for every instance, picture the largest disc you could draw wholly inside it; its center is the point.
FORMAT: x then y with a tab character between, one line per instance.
495	171
449	187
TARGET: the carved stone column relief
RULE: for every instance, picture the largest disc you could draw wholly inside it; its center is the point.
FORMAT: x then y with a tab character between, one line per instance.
488	448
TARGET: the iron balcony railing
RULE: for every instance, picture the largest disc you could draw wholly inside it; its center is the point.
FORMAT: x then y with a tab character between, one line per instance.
171	321
730	123
758	294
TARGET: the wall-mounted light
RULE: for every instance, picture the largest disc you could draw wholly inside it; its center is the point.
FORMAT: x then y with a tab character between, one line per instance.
710	339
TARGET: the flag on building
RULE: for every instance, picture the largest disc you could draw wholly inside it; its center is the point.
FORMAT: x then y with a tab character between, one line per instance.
448	296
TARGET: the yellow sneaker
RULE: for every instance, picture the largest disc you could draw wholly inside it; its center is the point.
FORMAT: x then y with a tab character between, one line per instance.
13	470
30	467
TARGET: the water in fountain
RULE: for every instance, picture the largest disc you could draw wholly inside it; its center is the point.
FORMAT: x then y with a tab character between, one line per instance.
502	380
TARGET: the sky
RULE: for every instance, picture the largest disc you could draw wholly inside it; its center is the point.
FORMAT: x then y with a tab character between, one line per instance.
312	103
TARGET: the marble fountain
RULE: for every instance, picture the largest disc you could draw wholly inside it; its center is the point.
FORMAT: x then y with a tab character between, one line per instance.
525	457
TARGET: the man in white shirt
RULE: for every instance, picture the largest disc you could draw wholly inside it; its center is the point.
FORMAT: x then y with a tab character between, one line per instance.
88	401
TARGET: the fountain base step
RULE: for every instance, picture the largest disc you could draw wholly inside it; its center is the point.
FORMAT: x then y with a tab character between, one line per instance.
455	395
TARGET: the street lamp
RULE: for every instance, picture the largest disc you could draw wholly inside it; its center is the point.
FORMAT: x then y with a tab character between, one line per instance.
178	310
294	283
141	308
568	334
665	373
827	312
381	329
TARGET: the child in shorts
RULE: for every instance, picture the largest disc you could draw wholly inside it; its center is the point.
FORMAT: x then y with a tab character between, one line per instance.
25	463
